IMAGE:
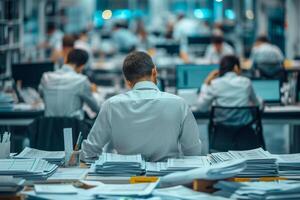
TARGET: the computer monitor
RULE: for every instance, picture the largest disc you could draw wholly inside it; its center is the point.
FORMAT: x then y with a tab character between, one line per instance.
30	73
268	90
192	76
170	48
199	40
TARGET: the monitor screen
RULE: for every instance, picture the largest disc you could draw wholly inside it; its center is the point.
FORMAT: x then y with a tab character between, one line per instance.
30	73
192	76
171	48
199	40
268	90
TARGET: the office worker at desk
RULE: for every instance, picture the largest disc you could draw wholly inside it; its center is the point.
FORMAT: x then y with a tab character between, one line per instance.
225	87
66	89
215	51
144	120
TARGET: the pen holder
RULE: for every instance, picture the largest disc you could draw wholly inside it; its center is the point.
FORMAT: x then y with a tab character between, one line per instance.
72	159
4	150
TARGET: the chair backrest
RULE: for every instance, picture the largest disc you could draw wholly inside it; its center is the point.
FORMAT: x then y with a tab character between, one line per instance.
235	128
46	133
270	70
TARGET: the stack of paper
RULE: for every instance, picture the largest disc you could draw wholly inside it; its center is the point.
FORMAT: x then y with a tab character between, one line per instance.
259	190
175	165
54	157
119	165
218	171
180	192
259	162
6	102
288	164
30	169
8	184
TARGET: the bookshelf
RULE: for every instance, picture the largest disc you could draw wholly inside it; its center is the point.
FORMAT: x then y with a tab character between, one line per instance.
11	33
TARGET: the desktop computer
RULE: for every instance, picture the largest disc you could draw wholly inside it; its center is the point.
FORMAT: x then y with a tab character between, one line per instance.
192	76
30	73
268	90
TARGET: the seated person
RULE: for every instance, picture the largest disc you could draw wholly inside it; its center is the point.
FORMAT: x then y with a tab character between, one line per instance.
59	56
225	87
144	120
125	40
266	54
66	89
215	51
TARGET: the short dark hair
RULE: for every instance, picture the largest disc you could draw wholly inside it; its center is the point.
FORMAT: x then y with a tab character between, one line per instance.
77	57
137	65
227	64
262	38
68	41
217	39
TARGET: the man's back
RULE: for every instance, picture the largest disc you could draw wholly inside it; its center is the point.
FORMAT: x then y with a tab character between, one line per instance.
148	122
64	92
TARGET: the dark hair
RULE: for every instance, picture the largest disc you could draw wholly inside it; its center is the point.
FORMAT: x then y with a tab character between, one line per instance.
137	65
77	57
68	41
51	26
217	39
227	64
262	38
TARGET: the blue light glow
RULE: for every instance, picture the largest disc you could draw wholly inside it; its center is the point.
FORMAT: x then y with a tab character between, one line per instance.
229	14
202	13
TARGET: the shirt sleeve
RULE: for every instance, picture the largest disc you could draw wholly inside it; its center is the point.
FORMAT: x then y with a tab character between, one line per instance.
206	98
98	136
87	97
189	138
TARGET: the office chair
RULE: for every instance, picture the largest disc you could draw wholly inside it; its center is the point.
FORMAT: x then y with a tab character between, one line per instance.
235	128
46	133
269	70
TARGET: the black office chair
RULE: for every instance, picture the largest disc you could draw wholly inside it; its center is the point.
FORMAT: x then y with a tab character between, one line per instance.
235	128
269	70
46	133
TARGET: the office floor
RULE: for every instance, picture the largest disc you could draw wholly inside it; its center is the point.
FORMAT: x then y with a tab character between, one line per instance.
276	138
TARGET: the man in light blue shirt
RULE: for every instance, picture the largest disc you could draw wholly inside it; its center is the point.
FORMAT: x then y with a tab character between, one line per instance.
144	120
66	89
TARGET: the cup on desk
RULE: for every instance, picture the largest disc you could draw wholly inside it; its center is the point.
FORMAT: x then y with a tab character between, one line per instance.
4	150
72	159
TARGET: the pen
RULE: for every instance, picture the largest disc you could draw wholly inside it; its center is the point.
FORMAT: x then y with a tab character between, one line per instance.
78	142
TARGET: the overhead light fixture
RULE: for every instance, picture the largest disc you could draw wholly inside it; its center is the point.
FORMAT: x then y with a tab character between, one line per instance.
106	14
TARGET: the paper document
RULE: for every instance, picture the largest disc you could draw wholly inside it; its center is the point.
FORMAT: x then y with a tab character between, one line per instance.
181	192
216	172
55	189
140	189
35	153
69	174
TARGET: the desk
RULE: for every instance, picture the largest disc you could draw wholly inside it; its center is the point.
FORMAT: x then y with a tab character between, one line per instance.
288	115
19	117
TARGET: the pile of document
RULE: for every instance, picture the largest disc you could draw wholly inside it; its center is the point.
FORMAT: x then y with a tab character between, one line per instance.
175	165
30	169
54	157
6	102
110	164
9	185
259	162
224	170
259	190
288	164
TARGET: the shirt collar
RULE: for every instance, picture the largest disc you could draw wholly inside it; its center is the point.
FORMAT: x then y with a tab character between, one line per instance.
148	85
230	74
67	68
